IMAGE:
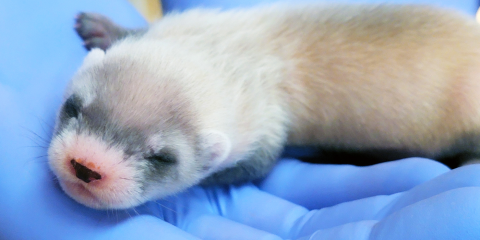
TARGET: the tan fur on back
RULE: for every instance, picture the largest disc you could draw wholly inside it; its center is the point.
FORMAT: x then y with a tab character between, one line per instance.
351	76
385	78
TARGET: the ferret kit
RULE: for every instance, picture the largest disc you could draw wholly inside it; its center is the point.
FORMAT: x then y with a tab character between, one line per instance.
212	97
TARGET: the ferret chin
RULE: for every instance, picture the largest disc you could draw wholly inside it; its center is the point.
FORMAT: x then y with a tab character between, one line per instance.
212	97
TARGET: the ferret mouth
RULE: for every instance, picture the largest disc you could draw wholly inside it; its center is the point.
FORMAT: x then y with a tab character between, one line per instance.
82	194
95	198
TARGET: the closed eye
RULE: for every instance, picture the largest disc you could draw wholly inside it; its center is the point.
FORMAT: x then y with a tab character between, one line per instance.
164	156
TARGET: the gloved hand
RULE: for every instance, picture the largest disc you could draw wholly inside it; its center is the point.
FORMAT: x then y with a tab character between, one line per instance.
352	201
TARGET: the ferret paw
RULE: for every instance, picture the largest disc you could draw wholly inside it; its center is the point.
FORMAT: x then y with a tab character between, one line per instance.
97	31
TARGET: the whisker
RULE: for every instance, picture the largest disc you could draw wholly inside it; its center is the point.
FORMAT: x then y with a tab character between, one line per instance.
42	159
36	142
128	212
37	135
161	205
129	179
135	210
116	215
54	178
38	146
168	200
44	123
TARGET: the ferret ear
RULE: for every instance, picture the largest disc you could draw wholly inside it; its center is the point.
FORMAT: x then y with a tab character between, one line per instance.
216	147
95	56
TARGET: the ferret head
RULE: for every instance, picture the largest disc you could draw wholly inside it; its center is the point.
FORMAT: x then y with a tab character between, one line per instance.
128	133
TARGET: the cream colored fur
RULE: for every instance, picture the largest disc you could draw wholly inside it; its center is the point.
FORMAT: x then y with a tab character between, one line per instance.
353	76
356	76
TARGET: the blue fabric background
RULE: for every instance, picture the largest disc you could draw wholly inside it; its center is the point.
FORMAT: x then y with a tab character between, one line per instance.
39	52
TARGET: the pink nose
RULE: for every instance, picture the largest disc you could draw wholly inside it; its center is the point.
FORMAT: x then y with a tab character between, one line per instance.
84	173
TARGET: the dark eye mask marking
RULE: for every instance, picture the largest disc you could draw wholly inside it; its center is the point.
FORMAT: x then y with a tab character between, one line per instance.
72	107
162	165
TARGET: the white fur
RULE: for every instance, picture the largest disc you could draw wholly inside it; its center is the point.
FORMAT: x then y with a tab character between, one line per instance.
83	82
118	187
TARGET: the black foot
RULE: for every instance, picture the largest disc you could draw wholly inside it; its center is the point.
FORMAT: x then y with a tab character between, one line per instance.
97	31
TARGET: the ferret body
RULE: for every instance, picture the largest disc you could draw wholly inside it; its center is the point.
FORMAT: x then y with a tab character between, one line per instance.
213	97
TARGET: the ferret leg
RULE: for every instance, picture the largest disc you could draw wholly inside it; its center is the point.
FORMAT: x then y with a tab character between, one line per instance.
97	31
256	167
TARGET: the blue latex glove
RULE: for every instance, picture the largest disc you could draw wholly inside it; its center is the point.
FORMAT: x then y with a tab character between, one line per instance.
40	51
